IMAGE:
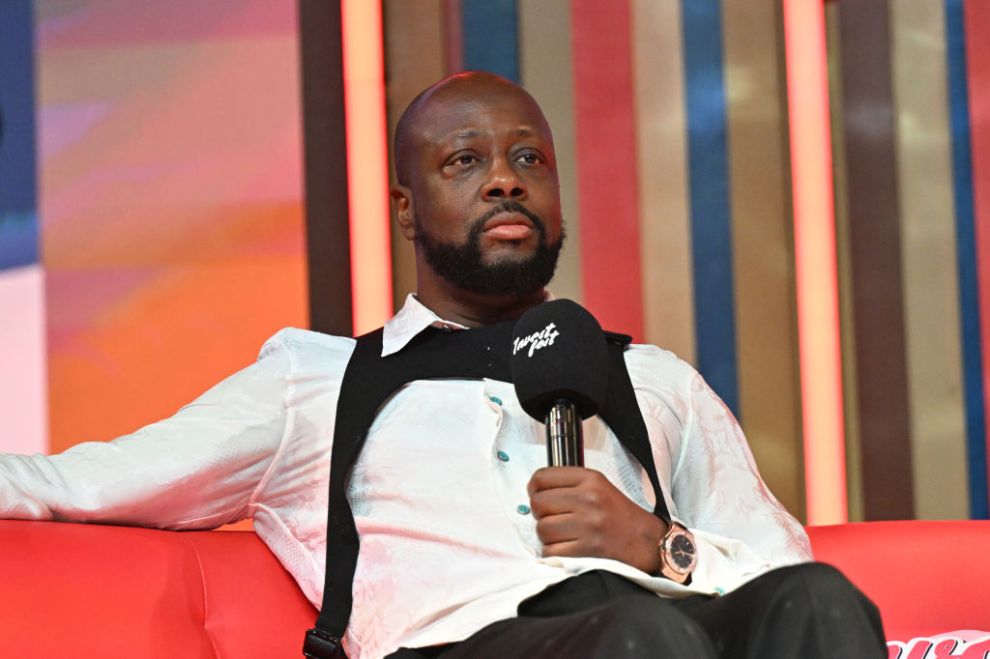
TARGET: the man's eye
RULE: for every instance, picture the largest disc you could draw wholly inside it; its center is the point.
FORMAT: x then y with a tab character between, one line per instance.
463	159
531	158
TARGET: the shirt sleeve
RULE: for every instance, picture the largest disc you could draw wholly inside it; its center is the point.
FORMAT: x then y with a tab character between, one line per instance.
740	528
197	469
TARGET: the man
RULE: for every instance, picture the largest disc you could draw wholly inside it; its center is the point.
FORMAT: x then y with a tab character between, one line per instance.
469	547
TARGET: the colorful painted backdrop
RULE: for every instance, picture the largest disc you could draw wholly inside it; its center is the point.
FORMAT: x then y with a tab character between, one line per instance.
168	238
169	208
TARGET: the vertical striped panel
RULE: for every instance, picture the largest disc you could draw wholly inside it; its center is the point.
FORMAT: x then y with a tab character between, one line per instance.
762	247
876	263
928	252
367	164
23	386
328	253
711	236
453	40
606	148
977	16
18	181
414	59
814	257
847	325
969	303
23	394
489	37
545	65
665	223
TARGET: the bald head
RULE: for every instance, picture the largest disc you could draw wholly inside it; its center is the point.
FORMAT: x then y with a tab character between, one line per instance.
478	195
469	88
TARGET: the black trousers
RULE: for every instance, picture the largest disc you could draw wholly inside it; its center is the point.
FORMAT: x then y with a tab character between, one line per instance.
803	611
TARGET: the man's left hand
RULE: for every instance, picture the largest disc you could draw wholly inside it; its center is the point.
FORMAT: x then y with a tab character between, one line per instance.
580	513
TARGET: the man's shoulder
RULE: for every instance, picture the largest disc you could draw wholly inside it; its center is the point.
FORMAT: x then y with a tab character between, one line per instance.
646	361
309	344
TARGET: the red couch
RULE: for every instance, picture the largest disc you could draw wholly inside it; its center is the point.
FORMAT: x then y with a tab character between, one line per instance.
78	590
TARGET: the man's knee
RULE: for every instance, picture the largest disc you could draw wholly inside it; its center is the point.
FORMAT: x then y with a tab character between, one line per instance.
821	579
807	610
822	592
637	626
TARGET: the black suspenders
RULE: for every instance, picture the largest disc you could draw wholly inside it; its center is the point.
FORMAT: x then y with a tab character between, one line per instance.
370	379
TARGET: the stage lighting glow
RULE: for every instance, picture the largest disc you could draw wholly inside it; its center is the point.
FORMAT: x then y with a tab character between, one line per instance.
367	164
815	262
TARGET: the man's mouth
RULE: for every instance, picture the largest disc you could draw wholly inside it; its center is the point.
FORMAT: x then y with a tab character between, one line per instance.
508	225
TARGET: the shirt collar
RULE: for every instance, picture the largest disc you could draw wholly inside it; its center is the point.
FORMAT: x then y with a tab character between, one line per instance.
413	318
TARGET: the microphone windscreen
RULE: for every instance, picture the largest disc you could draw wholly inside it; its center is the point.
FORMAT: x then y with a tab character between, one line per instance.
559	352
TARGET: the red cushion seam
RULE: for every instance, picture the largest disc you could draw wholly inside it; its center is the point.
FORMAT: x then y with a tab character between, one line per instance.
202	574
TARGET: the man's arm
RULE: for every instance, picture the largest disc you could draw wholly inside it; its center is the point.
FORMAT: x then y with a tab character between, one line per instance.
740	529
197	469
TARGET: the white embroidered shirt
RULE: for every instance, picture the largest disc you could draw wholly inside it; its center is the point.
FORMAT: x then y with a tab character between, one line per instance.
448	543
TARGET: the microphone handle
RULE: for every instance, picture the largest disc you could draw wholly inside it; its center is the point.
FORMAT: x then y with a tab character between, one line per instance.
565	436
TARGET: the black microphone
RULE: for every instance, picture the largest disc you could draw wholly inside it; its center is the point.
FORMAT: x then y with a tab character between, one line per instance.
560	371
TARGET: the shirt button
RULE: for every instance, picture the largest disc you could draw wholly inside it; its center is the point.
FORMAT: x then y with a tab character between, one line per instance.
522	509
496	400
503	456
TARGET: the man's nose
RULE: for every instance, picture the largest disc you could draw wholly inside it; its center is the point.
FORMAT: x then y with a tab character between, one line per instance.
503	182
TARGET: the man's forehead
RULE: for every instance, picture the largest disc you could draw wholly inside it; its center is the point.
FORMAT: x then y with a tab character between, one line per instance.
464	102
469	133
466	115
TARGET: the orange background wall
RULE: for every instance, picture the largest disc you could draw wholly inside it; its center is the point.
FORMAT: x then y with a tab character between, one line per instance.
170	200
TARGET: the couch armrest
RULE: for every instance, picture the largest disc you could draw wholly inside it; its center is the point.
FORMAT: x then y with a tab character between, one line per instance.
109	591
927	577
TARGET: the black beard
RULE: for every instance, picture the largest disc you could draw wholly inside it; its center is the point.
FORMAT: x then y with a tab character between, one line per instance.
462	265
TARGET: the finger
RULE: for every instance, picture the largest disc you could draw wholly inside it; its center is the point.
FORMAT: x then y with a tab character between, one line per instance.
567	548
558	501
553	477
557	529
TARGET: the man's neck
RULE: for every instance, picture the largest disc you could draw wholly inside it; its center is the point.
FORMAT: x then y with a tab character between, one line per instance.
473	309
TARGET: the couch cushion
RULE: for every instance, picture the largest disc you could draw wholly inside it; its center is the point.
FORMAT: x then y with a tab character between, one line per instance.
928	578
109	591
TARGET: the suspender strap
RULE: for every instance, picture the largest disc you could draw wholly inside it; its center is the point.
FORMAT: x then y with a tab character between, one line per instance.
623	416
370	380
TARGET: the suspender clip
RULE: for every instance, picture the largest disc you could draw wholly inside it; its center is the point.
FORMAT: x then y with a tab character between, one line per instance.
321	645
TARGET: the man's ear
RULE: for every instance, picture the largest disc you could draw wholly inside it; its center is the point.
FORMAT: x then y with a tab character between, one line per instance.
402	197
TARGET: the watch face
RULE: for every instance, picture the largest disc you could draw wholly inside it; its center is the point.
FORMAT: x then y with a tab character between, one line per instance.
682	552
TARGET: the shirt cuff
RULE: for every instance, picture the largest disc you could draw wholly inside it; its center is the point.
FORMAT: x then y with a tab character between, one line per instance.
724	564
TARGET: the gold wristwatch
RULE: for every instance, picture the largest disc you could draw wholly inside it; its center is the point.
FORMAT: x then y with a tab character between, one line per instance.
678	554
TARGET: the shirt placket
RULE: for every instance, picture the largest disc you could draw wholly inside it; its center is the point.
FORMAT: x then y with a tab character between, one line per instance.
511	463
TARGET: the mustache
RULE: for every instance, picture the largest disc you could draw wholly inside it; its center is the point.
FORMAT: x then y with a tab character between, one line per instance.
507	206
